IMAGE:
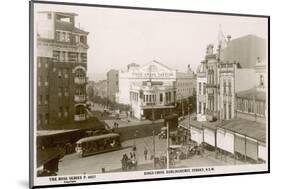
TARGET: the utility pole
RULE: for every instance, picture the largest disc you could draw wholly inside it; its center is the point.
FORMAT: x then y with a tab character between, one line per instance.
168	158
182	107
153	134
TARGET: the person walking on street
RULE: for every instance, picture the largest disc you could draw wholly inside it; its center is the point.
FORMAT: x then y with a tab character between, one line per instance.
145	153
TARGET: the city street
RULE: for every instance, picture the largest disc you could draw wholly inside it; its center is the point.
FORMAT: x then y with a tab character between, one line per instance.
111	161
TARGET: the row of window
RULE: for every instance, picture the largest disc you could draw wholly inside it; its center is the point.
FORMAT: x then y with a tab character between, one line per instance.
42	101
43	81
251	106
202	88
149	98
188	90
229	86
202	110
182	84
65	56
64	36
43	119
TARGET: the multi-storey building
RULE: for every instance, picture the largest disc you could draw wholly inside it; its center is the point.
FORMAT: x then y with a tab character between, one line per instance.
112	84
185	84
219	80
61	70
251	103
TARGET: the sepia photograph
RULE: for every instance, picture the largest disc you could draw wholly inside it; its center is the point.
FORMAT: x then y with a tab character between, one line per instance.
127	94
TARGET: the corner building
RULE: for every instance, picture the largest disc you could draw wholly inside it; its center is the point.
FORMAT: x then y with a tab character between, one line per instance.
61	70
151	89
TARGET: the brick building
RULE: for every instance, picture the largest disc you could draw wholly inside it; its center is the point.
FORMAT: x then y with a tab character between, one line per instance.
61	70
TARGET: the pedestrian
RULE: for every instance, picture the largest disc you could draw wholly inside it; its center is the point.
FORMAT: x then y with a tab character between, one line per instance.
145	153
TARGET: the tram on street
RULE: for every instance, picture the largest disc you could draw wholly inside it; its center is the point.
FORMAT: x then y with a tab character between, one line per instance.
98	144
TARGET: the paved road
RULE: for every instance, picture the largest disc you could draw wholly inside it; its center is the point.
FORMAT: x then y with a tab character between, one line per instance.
111	161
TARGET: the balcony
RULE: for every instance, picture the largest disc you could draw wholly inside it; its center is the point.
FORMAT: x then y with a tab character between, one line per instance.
79	98
80	117
80	80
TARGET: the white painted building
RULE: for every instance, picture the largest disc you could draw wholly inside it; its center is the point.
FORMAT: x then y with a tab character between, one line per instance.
143	87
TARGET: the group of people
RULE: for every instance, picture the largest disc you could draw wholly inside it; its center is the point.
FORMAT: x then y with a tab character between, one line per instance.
129	162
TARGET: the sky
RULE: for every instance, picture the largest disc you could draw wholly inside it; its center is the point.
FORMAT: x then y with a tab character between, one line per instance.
118	37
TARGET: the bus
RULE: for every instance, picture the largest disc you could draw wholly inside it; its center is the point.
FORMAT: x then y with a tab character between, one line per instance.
98	144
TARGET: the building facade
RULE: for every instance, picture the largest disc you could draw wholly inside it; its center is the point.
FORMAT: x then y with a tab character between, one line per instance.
112	84
221	79
185	84
251	103
152	89
215	87
61	70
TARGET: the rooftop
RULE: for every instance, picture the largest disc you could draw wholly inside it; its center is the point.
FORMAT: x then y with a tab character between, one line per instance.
252	94
248	128
244	127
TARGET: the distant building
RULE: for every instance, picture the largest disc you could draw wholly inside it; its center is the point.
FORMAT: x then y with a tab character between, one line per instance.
100	88
251	103
185	84
61	70
244	50
112	84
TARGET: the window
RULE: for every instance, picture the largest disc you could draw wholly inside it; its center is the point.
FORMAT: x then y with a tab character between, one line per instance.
65	91
46	118
40	119
40	99
200	107
60	91
204	88
204	108
230	110
46	99
66	112
67	37
76	38
224	87
58	35
199	88
65	73
62	58
56	55
161	97
46	81
40	80
60	112
46	65
59	73
62	36
229	87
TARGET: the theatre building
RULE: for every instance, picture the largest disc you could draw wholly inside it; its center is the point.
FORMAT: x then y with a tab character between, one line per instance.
61	70
150	89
